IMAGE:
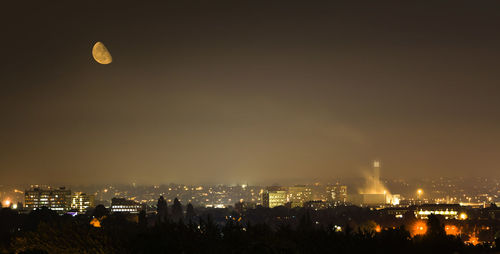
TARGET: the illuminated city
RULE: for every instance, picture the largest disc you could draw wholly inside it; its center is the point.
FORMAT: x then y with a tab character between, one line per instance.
467	208
262	126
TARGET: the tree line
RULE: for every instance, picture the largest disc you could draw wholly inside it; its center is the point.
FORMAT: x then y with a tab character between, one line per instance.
173	229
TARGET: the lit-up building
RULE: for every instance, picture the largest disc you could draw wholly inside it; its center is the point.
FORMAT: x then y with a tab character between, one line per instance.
298	195
55	199
82	201
122	205
374	194
446	210
376	174
394	199
274	196
337	193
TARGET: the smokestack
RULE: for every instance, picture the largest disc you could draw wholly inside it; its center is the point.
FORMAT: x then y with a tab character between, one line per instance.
376	175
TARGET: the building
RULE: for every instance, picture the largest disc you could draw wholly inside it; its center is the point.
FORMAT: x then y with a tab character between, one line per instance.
394	199
367	199
274	196
125	206
398	212
298	195
448	211
294	196
55	199
244	206
374	194
318	204
376	175
81	201
337	193
491	212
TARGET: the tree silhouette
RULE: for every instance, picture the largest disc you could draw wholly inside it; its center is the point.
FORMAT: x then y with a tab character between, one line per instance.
218	231
435	228
176	210
142	219
100	211
162	210
190	214
58	237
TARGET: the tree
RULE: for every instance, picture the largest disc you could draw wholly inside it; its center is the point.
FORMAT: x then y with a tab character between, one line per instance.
142	218
100	211
162	210
190	214
435	228
177	210
305	222
497	240
64	237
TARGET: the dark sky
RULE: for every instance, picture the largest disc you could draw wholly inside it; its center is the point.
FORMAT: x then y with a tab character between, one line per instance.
248	91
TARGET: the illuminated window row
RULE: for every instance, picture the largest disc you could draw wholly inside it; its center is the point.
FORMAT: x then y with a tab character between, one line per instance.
437	212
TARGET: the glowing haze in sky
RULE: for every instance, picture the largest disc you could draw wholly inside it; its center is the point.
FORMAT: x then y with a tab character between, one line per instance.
248	91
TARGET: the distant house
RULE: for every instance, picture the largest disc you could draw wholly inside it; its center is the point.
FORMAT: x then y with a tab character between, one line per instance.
122	205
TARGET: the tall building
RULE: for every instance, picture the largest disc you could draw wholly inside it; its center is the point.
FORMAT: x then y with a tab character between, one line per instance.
298	195
376	175
125	206
274	196
375	193
55	199
81	201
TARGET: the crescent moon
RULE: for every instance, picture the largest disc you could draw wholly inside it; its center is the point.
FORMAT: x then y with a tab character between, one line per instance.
101	53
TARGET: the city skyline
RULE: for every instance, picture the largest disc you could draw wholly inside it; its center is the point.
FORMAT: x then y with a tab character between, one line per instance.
225	92
464	191
250	126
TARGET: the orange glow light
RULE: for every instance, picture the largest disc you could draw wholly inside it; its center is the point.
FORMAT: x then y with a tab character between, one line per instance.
473	239
378	229
419	228
6	203
95	222
451	230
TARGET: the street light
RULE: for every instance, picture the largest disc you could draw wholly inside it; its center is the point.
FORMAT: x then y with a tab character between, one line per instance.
6	203
419	194
463	216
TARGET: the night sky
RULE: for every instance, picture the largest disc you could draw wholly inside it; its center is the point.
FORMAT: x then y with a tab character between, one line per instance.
248	91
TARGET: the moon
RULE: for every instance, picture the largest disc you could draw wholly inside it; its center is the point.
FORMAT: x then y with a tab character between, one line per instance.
101	53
